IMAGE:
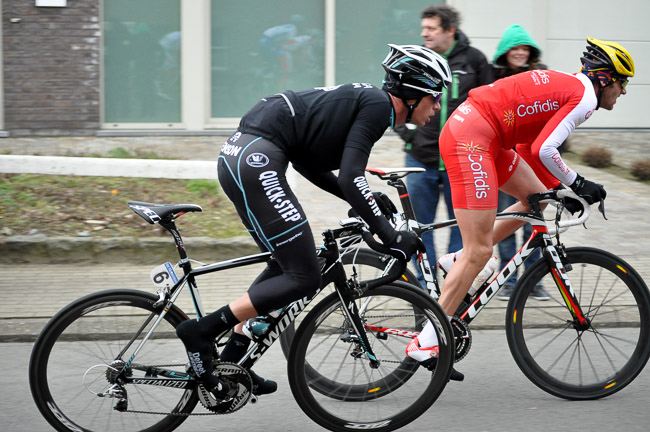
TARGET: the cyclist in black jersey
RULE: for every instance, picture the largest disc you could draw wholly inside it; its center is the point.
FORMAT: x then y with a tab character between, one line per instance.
317	131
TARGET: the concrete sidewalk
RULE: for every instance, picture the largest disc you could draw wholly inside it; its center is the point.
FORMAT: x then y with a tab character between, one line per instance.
102	167
33	293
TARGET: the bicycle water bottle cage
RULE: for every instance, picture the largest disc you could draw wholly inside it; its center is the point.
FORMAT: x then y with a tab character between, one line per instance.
154	213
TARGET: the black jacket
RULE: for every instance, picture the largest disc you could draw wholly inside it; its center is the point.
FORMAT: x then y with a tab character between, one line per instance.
469	69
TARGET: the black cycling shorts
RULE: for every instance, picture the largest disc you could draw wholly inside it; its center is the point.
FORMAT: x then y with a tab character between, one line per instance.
252	172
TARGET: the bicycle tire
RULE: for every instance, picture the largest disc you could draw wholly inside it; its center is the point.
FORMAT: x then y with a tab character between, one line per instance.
369	265
582	364
80	341
325	367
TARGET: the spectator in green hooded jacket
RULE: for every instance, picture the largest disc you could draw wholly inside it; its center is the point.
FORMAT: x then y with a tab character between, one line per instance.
517	52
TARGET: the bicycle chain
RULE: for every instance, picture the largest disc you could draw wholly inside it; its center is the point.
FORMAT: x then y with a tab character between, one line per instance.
389	316
175	414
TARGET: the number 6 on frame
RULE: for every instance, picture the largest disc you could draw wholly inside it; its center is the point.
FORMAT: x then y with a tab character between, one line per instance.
163	276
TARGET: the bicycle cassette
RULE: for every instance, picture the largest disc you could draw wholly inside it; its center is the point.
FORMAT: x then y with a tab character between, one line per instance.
239	394
462	336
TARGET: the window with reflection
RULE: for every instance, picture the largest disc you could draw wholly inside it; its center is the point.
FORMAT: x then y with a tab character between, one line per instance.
364	28
142	54
261	48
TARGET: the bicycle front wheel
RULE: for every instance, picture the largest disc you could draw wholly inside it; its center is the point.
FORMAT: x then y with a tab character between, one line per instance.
565	360
331	377
76	357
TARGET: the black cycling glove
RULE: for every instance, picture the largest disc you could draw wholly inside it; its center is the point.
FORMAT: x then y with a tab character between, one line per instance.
590	191
386	206
403	245
571	204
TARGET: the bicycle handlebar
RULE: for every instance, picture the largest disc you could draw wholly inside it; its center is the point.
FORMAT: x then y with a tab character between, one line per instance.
586	209
394	272
557	195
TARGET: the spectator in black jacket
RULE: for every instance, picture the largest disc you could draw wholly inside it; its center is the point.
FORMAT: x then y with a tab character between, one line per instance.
469	69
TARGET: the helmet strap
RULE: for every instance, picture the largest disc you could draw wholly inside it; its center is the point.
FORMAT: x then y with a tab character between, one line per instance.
596	83
410	108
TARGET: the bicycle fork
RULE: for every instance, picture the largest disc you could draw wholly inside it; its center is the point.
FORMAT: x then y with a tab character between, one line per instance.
346	290
555	256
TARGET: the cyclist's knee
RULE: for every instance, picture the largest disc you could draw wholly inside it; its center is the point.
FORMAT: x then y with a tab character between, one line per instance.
304	284
478	255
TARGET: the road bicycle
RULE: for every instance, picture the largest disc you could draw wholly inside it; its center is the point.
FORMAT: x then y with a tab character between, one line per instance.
590	340
111	361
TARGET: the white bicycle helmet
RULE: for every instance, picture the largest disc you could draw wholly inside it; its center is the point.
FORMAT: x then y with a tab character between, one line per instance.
415	68
413	72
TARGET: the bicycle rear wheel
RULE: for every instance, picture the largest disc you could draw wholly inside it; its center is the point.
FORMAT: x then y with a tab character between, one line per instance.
564	360
368	265
330	375
76	357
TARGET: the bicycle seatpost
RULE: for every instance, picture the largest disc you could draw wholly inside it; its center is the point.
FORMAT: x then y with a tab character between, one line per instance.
170	226
404	197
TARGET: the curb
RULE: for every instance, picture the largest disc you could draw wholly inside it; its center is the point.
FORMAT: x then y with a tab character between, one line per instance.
41	249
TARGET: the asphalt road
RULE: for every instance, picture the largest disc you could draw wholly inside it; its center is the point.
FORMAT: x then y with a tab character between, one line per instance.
495	396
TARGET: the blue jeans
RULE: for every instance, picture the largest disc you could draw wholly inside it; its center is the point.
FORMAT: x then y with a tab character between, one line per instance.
508	246
424	190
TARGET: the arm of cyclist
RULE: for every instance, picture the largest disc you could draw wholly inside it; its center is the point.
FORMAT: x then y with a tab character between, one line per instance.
329	183
353	183
545	149
326	180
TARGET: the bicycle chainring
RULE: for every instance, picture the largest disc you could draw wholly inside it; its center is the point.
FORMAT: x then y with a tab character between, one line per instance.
240	384
462	336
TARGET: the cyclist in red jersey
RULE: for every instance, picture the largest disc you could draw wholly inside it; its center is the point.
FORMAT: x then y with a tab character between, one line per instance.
534	111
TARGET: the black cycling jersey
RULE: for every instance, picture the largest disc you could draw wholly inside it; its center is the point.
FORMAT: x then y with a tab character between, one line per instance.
318	131
314	126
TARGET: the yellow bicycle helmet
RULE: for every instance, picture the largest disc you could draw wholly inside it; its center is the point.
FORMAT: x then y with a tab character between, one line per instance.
609	56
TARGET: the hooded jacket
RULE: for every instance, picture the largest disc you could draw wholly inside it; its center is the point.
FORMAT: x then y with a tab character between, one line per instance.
469	69
515	35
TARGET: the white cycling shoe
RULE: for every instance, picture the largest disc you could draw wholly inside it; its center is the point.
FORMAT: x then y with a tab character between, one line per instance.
418	353
428	358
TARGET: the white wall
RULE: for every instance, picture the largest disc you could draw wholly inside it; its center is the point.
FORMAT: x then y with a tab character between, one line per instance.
561	28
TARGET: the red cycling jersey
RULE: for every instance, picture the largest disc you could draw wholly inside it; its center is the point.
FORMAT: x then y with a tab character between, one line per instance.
534	111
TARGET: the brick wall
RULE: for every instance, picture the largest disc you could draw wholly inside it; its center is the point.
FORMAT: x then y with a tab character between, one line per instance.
51	61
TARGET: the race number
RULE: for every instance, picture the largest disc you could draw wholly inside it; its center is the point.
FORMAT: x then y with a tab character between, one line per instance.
163	276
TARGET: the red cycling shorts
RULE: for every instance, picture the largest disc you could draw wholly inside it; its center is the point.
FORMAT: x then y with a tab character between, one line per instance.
476	162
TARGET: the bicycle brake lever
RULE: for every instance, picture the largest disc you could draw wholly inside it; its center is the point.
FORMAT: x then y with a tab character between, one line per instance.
601	208
421	247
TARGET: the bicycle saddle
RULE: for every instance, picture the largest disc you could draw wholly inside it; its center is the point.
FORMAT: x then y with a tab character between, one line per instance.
154	213
388	173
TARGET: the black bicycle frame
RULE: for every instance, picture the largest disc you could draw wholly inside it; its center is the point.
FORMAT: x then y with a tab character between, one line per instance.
332	272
